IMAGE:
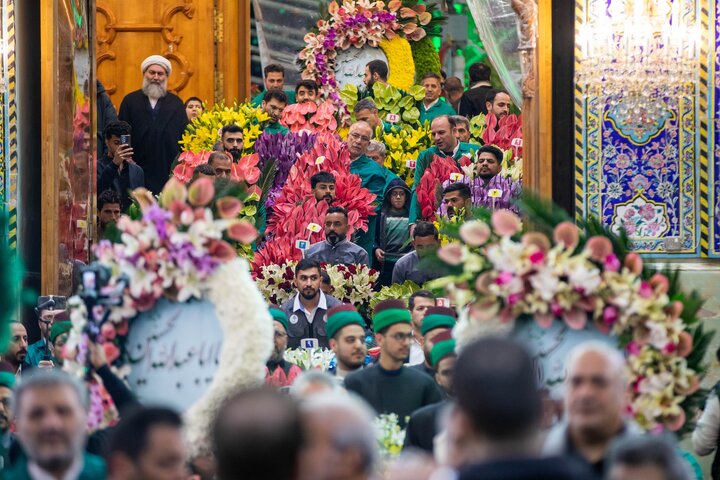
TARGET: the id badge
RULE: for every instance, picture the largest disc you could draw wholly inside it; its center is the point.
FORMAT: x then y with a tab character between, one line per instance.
309	343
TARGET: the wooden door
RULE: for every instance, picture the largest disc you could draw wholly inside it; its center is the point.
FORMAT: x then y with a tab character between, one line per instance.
128	31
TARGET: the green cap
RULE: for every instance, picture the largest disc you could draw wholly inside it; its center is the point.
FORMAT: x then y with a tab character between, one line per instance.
390	312
441	350
59	328
341	316
7	379
279	316
437	317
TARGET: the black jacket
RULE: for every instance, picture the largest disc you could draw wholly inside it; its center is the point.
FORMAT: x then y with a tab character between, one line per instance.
473	101
551	468
131	177
105	114
380	237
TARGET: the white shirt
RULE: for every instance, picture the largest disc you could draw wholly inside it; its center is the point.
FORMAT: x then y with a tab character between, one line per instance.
417	356
310	315
72	473
432	104
705	435
153	101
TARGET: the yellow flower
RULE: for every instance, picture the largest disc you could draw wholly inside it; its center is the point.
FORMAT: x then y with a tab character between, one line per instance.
203	132
400	62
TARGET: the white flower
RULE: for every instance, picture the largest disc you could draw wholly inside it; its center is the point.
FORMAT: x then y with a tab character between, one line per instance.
582	275
545	283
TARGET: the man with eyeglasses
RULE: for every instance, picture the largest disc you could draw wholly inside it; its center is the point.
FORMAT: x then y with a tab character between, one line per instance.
41	351
423	424
389	386
373	176
279	372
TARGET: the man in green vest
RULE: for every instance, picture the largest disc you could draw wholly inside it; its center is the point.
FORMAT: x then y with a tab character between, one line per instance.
372	175
432	105
273	104
446	145
274	80
50	419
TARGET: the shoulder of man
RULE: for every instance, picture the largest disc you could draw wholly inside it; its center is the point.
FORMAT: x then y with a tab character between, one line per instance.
93	468
332	301
133	96
468	147
288	304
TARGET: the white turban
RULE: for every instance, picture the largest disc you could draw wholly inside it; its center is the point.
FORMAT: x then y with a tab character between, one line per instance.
156	60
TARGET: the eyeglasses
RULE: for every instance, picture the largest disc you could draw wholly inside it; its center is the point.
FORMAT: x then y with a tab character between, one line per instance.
397	194
357	136
402	337
280	334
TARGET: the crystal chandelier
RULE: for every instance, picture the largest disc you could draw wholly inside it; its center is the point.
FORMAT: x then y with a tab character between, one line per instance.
639	56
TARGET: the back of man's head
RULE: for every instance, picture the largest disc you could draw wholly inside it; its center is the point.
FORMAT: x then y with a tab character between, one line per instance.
479	72
647	456
495	387
257	435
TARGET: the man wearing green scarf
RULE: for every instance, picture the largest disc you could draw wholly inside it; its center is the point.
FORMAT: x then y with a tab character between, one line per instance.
446	145
273	104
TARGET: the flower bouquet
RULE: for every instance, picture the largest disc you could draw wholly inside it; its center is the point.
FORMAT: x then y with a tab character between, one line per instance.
389	100
204	131
403	145
310	358
403	291
309	117
391	437
430	188
499	275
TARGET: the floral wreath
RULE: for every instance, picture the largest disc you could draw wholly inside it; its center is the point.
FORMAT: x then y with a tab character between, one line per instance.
204	131
363	22
499	276
181	249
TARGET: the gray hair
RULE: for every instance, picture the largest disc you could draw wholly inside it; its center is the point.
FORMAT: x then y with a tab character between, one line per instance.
650	450
356	430
365	104
461	119
45	378
313	377
612	355
376	146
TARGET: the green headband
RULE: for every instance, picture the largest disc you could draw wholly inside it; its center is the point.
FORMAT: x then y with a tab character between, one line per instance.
7	379
280	316
436	320
391	316
338	321
441	350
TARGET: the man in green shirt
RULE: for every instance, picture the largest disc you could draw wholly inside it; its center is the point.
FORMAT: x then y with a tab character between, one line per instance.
273	104
432	105
372	175
446	145
274	80
366	111
389	386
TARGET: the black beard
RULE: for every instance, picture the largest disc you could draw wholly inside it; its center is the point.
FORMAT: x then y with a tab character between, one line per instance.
308	297
333	238
487	176
329	199
235	153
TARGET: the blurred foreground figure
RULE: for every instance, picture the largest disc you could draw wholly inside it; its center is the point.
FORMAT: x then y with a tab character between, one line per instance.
257	435
493	432
647	458
341	442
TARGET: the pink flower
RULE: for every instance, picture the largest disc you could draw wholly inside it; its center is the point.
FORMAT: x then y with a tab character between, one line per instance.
537	258
482	283
612	263
660	283
646	291
575	319
599	248
675	423
514	298
537	239
108	331
474	233
544	320
451	254
505	223
633	348
111	351
610	315
685	344
634	263
567	234
504	278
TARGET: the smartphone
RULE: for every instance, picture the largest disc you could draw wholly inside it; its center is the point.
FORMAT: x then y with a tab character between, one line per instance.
124	139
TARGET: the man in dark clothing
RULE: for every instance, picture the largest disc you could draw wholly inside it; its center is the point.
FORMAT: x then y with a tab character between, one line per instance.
388	386
393	232
158	120
117	171
425	240
105	115
493	429
336	248
438	320
424	423
346	331
307	308
473	101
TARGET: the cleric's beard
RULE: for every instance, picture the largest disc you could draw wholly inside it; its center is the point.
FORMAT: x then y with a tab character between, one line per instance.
154	90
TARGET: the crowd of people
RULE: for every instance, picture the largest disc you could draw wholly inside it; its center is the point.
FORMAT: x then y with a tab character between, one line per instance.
475	412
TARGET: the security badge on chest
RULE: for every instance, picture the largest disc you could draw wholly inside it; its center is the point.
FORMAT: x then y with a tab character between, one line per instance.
294	319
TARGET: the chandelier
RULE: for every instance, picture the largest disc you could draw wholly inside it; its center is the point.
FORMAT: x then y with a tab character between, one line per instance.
639	56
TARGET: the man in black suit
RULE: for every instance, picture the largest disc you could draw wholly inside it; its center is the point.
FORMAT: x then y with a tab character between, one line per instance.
473	101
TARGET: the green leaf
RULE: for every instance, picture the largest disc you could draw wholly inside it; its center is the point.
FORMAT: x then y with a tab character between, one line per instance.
406	102
411	115
417	92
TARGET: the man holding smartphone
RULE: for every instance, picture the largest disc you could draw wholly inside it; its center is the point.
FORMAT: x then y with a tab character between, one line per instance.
117	171
50	309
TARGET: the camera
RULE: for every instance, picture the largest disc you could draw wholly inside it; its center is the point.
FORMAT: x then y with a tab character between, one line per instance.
99	295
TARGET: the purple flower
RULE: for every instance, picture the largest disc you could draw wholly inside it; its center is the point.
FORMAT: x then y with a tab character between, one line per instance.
159	218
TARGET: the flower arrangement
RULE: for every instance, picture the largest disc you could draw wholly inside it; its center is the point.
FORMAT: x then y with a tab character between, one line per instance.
296	208
310	117
428	192
244	170
352	284
426	57
358	23
181	249
499	276
282	151
506	134
391	437
204	131
402	291
389	100
403	145
310	358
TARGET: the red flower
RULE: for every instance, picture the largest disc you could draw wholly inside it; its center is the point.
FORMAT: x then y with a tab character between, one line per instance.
428	192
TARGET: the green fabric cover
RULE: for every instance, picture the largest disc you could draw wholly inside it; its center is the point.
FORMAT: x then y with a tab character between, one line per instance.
433	321
339	320
280	316
7	379
389	317
442	350
58	329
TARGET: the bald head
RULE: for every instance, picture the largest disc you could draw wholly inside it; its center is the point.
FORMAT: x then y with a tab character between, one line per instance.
359	138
